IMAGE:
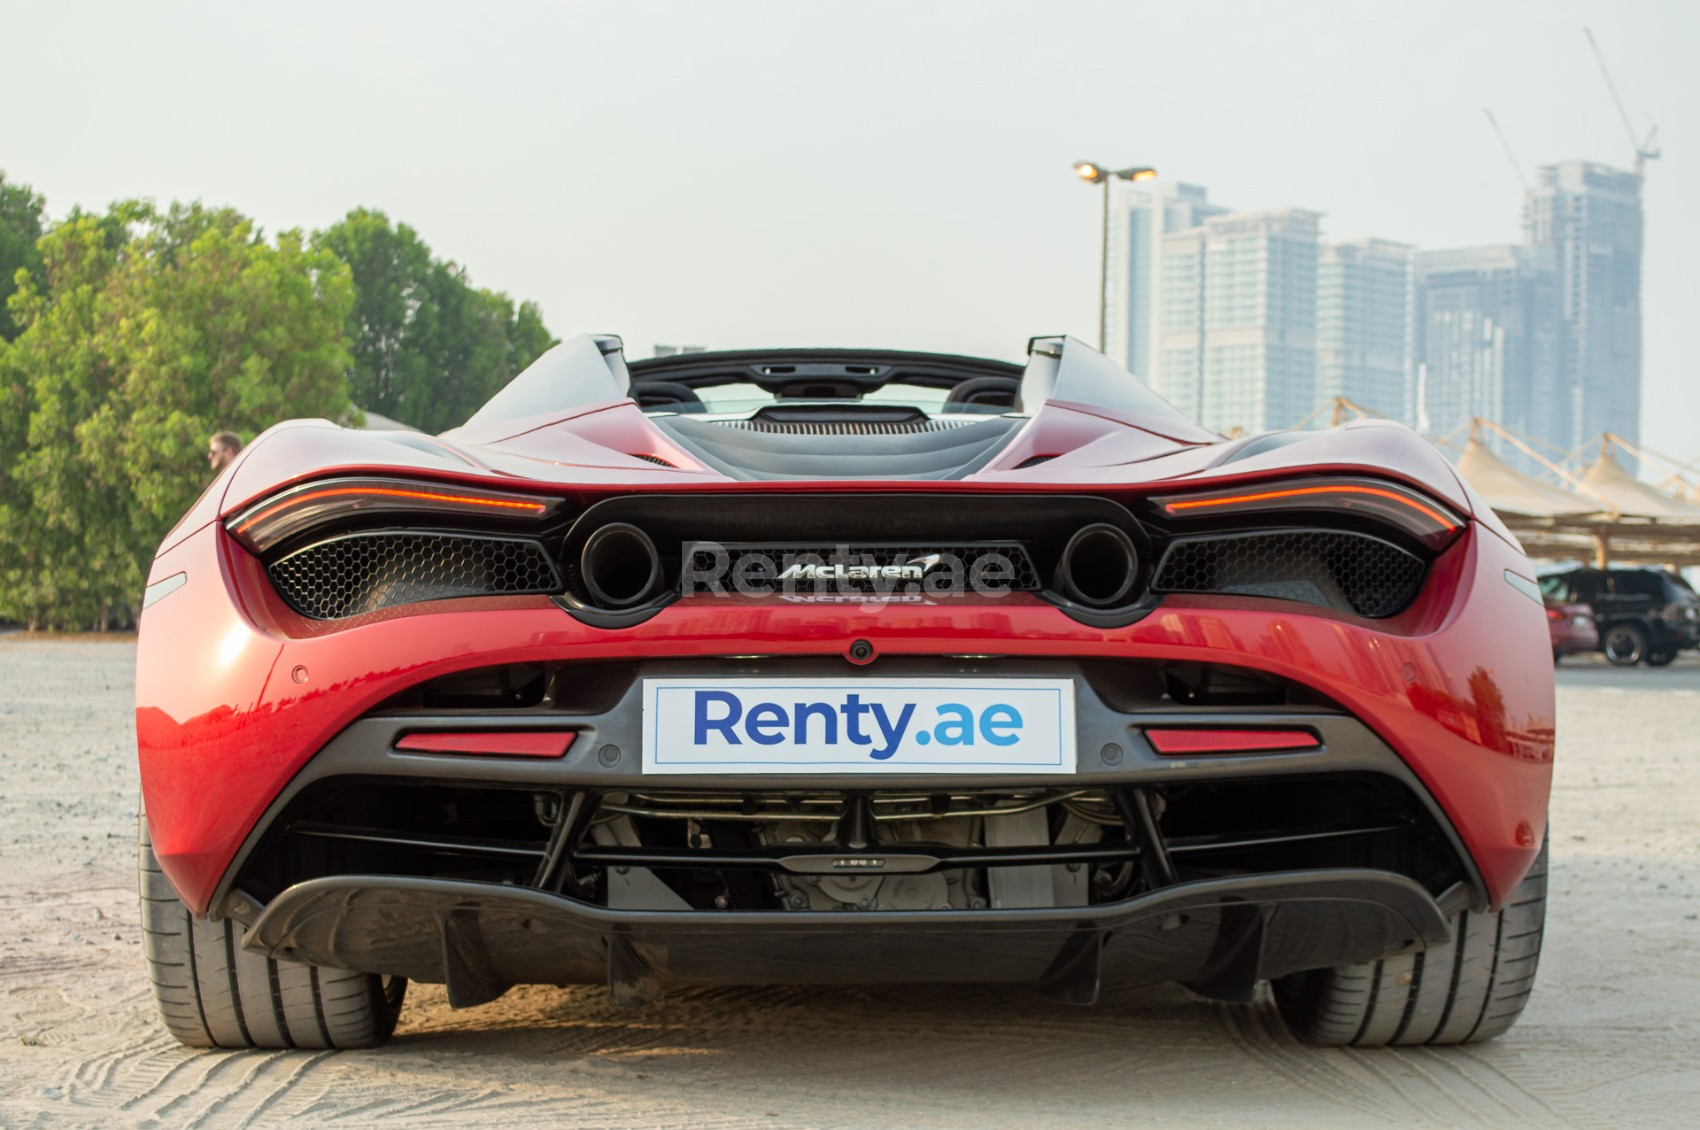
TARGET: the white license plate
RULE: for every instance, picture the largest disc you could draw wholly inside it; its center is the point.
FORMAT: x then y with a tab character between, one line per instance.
848	726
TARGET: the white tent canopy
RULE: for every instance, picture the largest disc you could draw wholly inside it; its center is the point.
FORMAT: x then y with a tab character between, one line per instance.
1608	480
1609	516
1514	494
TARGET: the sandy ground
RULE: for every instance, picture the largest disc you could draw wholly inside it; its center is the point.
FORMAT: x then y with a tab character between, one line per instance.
1609	1039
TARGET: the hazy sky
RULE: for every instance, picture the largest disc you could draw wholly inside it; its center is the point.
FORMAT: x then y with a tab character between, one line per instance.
855	173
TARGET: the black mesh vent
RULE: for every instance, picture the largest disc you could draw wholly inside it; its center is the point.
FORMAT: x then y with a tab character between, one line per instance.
1334	568
843	427
1018	574
656	459
1033	461
363	572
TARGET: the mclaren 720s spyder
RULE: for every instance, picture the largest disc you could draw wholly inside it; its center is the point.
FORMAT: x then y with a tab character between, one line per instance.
841	666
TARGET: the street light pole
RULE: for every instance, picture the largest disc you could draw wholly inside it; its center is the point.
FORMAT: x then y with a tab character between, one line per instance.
1104	273
1093	173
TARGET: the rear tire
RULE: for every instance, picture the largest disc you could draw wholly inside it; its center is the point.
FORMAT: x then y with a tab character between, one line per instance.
1463	992
1624	644
213	993
1660	658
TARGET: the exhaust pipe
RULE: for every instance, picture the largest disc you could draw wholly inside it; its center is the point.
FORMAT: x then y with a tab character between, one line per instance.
1098	566
619	565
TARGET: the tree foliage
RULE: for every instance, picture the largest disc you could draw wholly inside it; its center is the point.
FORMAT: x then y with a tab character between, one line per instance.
140	332
429	348
21	220
127	337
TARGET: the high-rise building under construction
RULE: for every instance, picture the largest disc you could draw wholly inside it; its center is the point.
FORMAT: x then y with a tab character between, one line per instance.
1589	216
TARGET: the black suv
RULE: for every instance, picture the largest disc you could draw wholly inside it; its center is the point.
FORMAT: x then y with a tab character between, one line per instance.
1644	615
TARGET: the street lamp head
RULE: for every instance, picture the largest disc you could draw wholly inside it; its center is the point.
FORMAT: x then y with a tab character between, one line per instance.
1093	173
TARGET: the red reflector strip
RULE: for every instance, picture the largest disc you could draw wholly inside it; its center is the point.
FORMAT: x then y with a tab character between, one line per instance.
1295	492
490	743
1173	742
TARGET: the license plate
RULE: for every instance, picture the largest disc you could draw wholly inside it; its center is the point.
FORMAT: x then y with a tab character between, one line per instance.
849	726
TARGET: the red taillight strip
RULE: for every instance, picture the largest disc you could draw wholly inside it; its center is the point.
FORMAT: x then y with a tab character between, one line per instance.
493	743
1171	743
394	492
1293	492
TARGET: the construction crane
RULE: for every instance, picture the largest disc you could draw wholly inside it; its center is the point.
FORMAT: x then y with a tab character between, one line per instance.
1644	149
1516	166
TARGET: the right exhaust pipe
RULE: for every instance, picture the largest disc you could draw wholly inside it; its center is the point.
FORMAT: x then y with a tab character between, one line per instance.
1098	566
619	565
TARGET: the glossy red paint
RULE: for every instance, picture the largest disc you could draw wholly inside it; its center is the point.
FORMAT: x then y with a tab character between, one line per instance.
1458	684
202	668
493	743
589	454
1181	743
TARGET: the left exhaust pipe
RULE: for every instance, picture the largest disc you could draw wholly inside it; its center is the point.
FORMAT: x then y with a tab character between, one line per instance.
620	565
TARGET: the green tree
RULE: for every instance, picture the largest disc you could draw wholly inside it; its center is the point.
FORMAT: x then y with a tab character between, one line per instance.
428	347
143	332
21	220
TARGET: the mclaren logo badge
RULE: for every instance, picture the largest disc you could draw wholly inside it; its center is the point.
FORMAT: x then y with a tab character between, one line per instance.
912	570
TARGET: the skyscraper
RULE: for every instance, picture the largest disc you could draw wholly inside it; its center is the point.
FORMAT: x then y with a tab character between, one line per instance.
1236	321
1363	322
1151	212
1589	216
1544	338
1488	336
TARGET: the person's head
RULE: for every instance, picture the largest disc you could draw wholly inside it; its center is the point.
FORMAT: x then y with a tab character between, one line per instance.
221	449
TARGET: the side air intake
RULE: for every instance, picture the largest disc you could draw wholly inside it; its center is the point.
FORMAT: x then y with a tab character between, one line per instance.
359	573
1352	572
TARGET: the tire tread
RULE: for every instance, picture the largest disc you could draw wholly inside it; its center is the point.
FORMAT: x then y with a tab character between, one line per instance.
1470	989
210	992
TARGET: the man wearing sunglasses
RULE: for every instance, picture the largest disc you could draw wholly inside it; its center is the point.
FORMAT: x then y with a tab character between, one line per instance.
221	449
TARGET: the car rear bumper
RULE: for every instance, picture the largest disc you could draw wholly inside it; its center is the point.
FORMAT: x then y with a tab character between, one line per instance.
1282	795
238	696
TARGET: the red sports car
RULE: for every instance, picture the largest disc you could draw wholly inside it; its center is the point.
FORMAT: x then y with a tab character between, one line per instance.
805	666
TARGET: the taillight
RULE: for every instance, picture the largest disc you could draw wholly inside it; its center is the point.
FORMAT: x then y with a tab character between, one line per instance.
1430	522
1554	614
276	519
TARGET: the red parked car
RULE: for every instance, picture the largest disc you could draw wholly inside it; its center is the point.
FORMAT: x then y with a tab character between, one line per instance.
798	666
1572	629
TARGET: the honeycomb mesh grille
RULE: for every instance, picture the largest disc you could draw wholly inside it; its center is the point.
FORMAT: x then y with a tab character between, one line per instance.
360	573
844	427
1334	568
1014	569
